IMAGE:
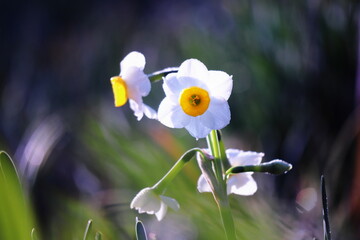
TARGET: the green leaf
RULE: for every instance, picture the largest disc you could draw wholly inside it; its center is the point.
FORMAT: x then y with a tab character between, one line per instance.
87	230
140	230
327	229
16	220
8	170
33	234
98	236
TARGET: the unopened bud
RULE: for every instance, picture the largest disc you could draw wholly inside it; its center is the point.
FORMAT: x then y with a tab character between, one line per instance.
276	166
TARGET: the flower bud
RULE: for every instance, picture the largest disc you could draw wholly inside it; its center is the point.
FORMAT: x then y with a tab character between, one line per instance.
276	167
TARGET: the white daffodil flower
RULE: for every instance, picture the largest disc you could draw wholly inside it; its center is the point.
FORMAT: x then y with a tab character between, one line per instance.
133	84
242	183
148	201
196	99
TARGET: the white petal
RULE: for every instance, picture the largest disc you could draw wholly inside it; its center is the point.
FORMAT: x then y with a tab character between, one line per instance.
238	157
171	202
133	59
140	198
149	112
137	108
146	201
137	81
241	184
162	211
203	185
197	129
187	82
172	86
193	68
220	84
217	116
171	115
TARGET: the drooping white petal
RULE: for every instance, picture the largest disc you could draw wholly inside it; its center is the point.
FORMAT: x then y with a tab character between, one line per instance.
171	115
194	69
203	185
220	84
197	129
149	112
137	108
170	202
238	157
133	59
146	201
162	211
140	109
241	184
217	116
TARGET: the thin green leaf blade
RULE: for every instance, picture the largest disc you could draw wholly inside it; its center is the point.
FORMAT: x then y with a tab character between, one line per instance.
98	236
140	230
327	230
16	220
87	230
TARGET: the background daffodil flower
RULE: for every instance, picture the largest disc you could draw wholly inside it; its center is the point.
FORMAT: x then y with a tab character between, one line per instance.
196	99
133	84
242	183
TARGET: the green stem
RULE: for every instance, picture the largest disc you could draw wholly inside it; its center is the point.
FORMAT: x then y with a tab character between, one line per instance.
213	144
227	219
161	185
156	76
224	160
221	197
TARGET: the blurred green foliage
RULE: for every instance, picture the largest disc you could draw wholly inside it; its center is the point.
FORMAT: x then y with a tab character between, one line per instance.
16	219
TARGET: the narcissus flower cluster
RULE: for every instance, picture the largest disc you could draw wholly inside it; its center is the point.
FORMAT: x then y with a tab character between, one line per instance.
195	99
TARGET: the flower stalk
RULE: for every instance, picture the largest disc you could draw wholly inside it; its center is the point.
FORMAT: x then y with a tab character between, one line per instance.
163	183
158	75
221	196
151	199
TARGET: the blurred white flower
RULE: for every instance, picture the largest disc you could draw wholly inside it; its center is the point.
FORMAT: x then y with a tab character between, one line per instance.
148	201
133	84
306	199
241	183
196	99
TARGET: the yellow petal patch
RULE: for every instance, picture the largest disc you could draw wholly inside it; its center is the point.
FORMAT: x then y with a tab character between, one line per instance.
119	90
194	101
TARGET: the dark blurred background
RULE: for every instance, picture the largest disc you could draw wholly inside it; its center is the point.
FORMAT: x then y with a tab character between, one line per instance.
295	66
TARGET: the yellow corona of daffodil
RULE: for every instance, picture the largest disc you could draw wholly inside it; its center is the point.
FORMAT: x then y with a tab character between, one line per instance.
132	84
196	99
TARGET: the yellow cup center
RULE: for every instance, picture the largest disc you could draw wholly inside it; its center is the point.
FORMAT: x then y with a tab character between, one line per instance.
120	91
194	101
